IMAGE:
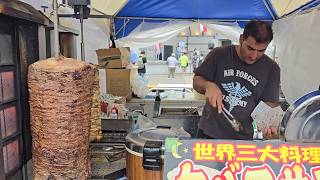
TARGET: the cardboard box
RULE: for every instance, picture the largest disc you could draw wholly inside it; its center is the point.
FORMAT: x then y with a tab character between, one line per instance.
118	82
113	57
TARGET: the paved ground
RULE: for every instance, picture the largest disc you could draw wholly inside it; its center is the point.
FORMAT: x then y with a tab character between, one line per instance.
157	72
160	67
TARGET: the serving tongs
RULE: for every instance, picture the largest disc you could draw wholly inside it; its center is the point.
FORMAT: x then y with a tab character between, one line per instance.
235	124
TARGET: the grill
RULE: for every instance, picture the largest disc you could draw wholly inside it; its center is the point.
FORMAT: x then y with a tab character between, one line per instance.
108	155
114	137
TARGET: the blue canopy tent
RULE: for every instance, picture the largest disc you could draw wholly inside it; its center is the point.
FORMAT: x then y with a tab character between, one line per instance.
136	11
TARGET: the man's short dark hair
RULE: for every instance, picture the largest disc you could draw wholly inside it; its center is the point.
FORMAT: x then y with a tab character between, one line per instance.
259	30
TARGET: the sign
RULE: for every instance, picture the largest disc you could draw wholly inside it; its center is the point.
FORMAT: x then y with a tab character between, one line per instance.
233	160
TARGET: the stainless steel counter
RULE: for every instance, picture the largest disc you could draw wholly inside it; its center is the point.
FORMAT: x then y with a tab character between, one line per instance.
169	100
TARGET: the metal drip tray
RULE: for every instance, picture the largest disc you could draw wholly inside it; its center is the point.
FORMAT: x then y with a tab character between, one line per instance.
111	152
108	156
107	160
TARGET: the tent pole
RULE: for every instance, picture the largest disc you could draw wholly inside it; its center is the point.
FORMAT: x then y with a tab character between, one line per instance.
81	32
112	34
123	26
181	19
56	29
269	9
114	27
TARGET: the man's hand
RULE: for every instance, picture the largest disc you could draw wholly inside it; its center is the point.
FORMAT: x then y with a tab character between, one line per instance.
214	95
210	90
270	133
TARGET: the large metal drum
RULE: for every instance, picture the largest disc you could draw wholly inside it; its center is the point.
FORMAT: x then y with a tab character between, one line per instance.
145	149
302	119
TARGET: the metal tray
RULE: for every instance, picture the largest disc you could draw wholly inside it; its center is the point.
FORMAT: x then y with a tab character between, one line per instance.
108	125
301	122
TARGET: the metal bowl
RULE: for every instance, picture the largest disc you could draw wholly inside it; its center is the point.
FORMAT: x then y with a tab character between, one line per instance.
301	121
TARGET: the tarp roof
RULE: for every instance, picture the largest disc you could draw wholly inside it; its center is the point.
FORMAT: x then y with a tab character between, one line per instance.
135	11
197	9
130	13
109	7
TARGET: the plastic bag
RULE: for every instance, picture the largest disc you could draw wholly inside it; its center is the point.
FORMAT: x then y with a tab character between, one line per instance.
139	87
142	122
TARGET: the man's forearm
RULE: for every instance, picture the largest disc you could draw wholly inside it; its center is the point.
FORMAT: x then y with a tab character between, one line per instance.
199	84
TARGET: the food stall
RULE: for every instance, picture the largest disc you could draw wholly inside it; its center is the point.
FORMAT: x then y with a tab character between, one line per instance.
164	150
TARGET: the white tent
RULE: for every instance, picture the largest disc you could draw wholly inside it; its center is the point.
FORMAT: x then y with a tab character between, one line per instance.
109	7
284	7
297	50
149	33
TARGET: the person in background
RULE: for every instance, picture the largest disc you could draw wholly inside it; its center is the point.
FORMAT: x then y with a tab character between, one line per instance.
200	59
172	64
134	57
178	51
238	77
195	59
184	60
142	63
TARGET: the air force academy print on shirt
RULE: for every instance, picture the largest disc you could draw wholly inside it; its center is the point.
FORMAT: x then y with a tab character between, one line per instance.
235	90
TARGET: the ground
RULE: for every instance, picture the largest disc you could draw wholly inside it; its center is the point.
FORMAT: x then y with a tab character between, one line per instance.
157	72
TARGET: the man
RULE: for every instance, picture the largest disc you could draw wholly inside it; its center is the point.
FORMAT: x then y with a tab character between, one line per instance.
200	59
142	64
237	77
172	63
195	58
184	60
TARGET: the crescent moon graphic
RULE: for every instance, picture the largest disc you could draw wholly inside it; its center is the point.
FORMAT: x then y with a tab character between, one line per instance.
174	150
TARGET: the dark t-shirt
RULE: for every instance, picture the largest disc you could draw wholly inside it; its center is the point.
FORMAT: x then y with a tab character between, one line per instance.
143	70
242	85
